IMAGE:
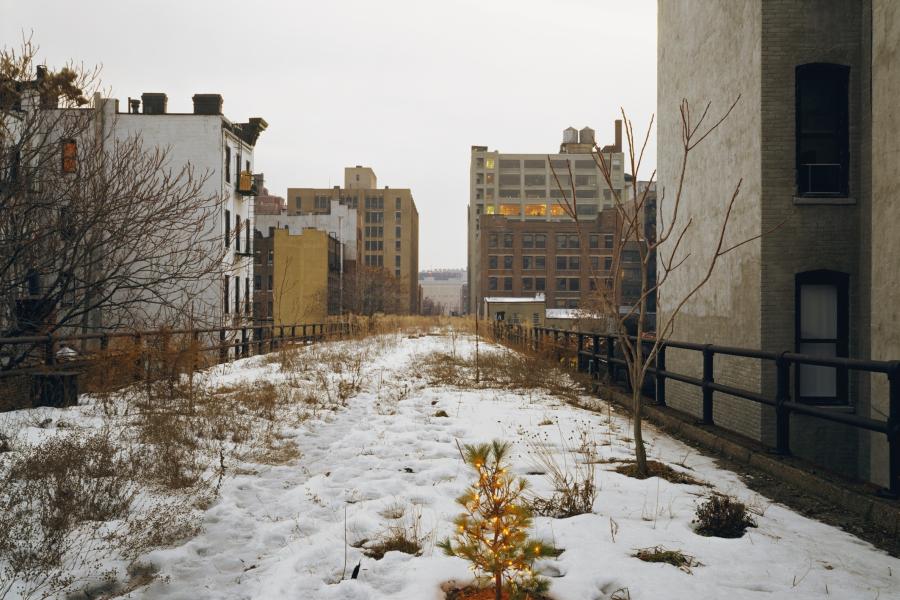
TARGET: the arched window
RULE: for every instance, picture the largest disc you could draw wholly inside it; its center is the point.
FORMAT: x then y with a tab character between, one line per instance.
821	318
822	133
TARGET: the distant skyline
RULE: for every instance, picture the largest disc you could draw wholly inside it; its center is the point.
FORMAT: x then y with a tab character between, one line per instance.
403	86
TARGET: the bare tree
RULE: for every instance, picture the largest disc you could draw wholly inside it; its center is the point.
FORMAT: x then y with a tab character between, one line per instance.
640	341
97	231
372	290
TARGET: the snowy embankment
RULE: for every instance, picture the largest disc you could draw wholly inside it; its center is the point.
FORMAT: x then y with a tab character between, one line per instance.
385	461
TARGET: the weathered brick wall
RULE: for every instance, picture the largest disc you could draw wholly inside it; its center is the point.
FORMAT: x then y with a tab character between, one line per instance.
811	237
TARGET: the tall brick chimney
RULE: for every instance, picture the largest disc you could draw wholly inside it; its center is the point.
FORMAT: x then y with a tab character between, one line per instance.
207	104
618	135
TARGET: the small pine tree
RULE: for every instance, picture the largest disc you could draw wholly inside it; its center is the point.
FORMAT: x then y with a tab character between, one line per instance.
492	532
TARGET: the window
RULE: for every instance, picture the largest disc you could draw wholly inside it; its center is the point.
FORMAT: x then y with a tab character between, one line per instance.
561	283
492	283
607	263
397	261
540	284
489	163
247	307
228	167
527	284
69	156
595	263
540	240
561	263
510	210
397	216
557	210
271	284
594	241
489	179
397	204
507	240
492	240
227	228
540	262
271	261
528	240
257	282
297	202
237	233
509	163
535	210
527	262
397	245
821	329
507	284
532	180
631	256
567	241
608	241
321	202
226	295
822	129
492	261
507	262
585	180
397	233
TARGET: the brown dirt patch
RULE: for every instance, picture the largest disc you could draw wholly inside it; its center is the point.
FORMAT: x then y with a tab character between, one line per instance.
658	469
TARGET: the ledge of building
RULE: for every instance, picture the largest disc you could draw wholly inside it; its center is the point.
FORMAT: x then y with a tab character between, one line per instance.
823	201
853	496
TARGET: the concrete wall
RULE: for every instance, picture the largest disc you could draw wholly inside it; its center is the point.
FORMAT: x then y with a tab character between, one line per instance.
710	52
885	243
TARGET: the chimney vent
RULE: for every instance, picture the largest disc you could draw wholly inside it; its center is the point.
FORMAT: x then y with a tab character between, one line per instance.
134	105
207	104
154	103
618	135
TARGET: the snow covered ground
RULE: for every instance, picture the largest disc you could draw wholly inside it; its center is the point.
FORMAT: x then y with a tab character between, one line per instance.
280	531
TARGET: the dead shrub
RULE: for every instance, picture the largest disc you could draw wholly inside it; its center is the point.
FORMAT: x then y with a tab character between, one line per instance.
722	516
676	558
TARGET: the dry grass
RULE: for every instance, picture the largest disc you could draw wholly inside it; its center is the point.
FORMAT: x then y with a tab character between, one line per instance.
573	476
406	537
676	558
501	369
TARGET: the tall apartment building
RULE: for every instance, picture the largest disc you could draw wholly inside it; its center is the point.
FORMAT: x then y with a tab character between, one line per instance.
815	139
387	225
521	240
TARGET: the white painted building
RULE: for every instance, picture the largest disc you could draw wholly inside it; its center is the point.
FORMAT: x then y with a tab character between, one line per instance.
221	151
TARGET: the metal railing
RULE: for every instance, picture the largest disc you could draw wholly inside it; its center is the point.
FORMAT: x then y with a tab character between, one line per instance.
600	354
229	343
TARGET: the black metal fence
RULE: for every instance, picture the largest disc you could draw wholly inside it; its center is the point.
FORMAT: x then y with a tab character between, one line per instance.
600	354
35	366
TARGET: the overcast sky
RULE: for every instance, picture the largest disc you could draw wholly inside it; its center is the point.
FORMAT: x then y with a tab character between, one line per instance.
403	86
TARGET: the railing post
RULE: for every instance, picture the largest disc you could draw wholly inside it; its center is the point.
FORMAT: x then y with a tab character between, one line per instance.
245	346
782	414
661	378
304	334
195	349
707	379
595	355
893	430
49	354
580	361
223	351
293	333
610	353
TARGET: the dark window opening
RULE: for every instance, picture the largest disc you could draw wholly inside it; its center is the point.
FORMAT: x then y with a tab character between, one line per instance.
228	164
822	129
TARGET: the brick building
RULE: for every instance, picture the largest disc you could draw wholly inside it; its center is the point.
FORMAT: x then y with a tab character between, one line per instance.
811	134
521	240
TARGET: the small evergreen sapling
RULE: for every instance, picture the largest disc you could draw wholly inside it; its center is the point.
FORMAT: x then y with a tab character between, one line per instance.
492	532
